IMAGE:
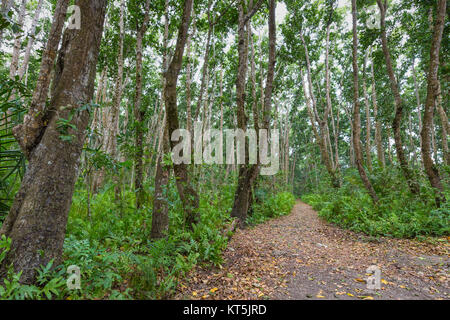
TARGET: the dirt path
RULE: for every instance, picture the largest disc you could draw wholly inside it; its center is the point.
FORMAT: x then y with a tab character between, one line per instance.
300	256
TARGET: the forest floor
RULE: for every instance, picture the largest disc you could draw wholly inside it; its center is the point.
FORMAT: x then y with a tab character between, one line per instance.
300	256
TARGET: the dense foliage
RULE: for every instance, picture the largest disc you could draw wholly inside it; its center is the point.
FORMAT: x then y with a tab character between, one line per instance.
398	214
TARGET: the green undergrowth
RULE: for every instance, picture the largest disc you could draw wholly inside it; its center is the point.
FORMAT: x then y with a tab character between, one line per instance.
111	245
272	206
398	213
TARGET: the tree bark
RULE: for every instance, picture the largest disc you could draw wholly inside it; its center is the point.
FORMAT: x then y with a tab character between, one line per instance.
203	84
188	195
248	173
17	41
189	78
356	111
444	127
368	125
396	124
160	215
378	138
419	112
323	123
139	112
432	93
31	36
37	220
29	132
111	146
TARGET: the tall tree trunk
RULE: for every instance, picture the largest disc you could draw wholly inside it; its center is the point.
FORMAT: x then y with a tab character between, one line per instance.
356	111
160	215
248	173
419	112
368	125
31	36
37	220
17	41
29	133
188	78
111	147
323	123
139	112
444	127
111	123
396	124
378	138
159	134
203	84
188	195
432	93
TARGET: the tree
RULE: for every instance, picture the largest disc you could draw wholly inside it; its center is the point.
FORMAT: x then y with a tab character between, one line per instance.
188	195
396	124
139	111
247	173
356	111
432	93
36	223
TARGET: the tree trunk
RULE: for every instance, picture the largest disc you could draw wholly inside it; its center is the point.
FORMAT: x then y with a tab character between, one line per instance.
37	220
378	138
31	36
17	41
419	112
29	133
323	123
248	173
368	125
139	112
445	127
111	147
160	215
188	195
189	78
396	124
111	125
432	93
356	111
203	84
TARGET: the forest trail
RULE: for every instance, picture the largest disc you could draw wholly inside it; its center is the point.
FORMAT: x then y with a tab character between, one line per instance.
300	256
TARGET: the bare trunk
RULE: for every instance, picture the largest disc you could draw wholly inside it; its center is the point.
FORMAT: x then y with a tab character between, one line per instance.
323	123
17	41
419	112
432	93
378	138
248	173
356	111
188	195
37	220
188	78
368	125
29	133
160	215
139	112
111	146
444	127
396	124
203	84
31	36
